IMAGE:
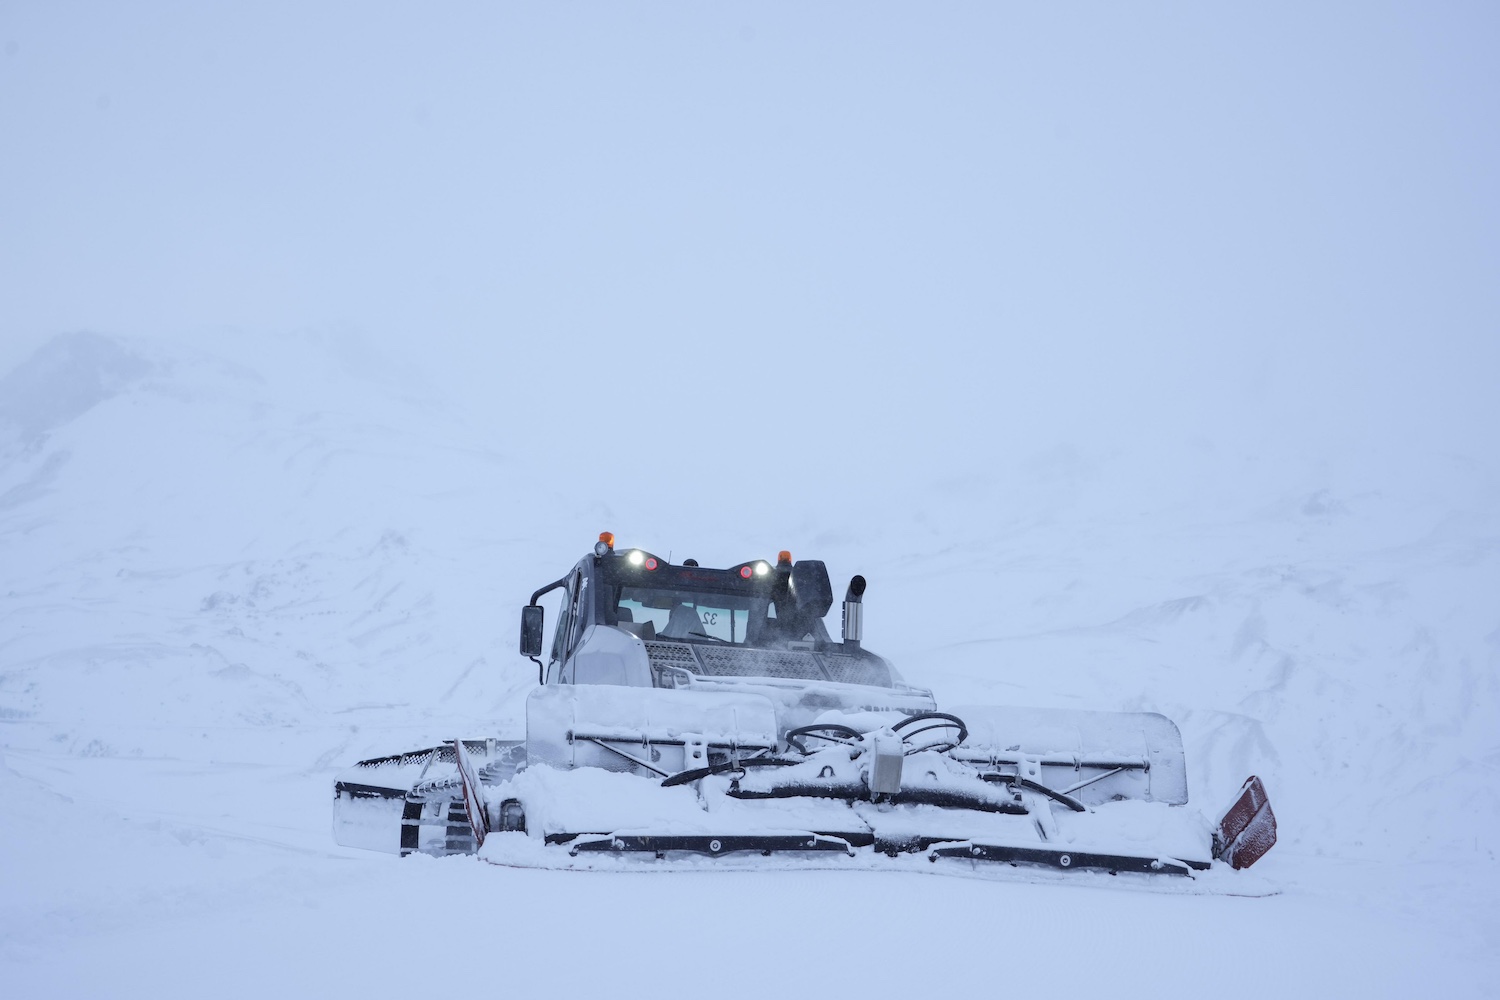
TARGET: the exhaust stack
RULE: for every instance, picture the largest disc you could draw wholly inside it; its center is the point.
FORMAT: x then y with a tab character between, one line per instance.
854	612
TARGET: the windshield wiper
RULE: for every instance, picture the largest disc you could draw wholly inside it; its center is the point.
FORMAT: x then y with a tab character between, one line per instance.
713	637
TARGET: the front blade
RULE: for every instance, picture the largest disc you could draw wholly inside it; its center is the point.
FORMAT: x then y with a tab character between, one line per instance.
1128	755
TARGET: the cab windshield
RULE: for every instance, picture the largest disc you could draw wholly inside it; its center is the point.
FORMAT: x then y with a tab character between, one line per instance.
685	614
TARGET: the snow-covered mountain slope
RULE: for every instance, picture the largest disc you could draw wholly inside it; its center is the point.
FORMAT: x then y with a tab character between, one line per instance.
223	578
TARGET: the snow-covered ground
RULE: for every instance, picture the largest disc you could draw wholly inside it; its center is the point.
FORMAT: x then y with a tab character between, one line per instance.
226	574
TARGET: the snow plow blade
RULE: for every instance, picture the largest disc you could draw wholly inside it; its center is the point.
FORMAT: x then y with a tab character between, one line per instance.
1247	830
624	771
1125	755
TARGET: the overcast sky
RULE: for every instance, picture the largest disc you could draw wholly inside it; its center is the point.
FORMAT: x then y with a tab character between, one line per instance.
964	222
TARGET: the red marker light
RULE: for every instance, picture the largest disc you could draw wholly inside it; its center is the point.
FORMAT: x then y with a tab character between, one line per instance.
745	572
651	563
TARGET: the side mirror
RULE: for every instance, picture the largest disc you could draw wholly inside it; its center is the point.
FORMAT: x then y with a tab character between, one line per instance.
531	630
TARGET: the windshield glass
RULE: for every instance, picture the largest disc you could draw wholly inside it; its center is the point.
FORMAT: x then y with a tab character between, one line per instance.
685	614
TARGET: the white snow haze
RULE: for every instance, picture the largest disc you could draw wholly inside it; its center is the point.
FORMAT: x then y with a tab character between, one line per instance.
1142	356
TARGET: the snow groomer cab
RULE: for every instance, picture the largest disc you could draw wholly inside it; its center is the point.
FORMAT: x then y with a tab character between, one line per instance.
633	619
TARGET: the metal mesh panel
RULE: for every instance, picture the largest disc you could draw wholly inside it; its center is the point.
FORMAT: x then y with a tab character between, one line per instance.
672	654
734	661
445	755
856	670
719	662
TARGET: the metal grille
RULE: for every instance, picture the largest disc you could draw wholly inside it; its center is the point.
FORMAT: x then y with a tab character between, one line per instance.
732	661
723	662
672	654
855	670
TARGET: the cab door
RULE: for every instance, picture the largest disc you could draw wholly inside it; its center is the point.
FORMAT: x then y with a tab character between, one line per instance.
570	623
